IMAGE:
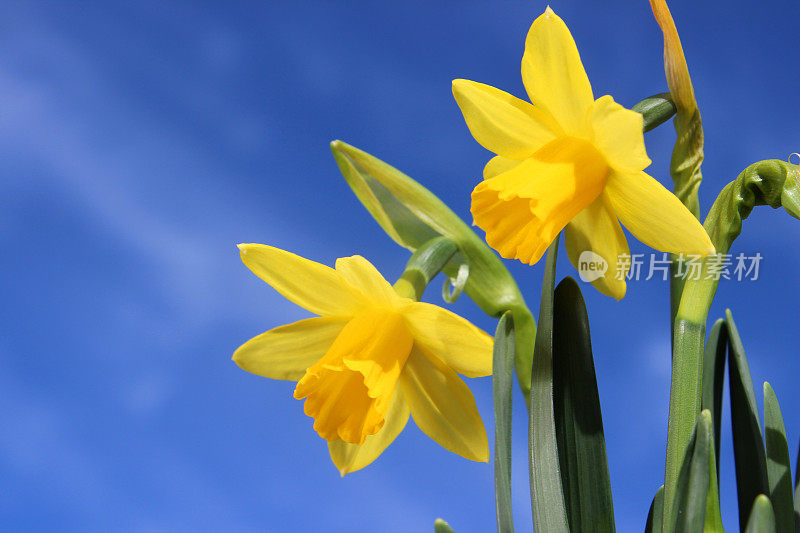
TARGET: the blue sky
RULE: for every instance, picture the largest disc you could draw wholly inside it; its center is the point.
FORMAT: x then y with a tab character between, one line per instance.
139	142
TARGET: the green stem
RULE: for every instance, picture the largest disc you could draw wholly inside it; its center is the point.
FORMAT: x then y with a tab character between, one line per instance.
772	182
425	263
687	376
676	284
656	110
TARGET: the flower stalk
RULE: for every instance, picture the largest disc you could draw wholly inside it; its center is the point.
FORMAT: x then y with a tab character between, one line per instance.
423	265
771	182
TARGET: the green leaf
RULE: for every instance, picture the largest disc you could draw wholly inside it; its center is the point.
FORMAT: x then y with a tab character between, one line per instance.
440	526
713	379
547	501
412	215
779	473
762	519
655	110
713	513
502	387
748	446
693	480
578	420
797	492
655	516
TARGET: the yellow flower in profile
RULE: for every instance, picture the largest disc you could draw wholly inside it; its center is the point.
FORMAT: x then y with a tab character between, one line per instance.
370	360
568	160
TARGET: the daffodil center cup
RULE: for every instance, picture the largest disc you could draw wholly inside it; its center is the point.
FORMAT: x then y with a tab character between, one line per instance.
582	155
523	209
348	391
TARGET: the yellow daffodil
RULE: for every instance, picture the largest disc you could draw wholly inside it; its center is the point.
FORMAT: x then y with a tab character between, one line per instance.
568	160
370	360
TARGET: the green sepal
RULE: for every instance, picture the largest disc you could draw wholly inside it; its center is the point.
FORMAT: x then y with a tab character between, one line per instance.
547	500
502	390
655	110
762	518
748	446
779	473
411	215
578	419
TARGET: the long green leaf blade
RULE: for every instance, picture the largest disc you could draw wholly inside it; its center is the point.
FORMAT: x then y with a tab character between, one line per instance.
547	501
713	381
779	473
578	419
797	492
713	512
748	446
762	519
714	378
655	516
502	387
693	479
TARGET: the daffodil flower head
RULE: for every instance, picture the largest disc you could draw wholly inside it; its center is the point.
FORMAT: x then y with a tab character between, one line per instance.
568	161
370	360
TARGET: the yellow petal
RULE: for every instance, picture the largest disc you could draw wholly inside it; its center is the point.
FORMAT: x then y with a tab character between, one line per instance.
443	407
310	285
618	135
287	351
497	165
597	230
500	122
454	340
351	457
523	209
365	278
655	216
554	75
